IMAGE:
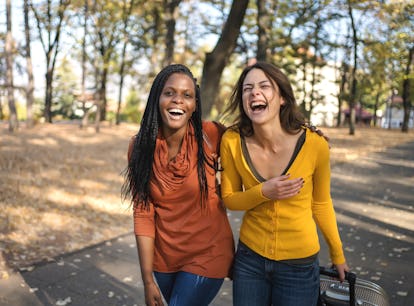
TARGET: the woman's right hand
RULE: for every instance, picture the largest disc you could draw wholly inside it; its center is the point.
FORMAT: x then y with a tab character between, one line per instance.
281	187
153	295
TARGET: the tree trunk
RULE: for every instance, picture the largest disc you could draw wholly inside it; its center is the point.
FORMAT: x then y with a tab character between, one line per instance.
263	28
13	122
352	97
406	91
103	102
98	115
376	106
171	9
121	82
51	46
304	101
344	81
30	87
216	61
84	120
126	14
1	109
48	97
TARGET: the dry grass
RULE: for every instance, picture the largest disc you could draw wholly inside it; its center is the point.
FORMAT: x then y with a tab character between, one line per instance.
60	190
60	186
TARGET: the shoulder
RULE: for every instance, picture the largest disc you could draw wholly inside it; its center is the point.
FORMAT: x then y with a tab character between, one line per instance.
314	137
231	134
213	128
316	143
213	132
230	138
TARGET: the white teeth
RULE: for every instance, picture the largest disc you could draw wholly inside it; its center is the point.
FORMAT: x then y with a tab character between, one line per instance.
176	111
256	104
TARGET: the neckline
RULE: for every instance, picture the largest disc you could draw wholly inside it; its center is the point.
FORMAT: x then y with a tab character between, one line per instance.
246	154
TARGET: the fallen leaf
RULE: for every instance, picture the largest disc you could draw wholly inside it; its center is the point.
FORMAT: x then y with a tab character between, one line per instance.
64	302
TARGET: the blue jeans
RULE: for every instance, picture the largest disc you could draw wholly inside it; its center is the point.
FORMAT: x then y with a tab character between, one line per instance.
187	289
261	281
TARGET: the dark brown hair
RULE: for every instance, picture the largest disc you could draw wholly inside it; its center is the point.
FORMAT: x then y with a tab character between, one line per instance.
290	116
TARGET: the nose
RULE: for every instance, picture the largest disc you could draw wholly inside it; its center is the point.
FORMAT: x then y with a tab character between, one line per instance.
255	90
177	98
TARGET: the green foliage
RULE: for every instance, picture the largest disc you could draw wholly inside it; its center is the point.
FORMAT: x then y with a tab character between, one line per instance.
65	84
110	116
131	111
302	36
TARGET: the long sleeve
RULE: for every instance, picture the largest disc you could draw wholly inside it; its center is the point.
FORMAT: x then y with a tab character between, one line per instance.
322	206
232	191
144	223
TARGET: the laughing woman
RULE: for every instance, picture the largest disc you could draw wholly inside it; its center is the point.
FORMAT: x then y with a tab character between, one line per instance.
268	148
182	232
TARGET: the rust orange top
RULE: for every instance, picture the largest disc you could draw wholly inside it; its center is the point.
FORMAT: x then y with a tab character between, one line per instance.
188	237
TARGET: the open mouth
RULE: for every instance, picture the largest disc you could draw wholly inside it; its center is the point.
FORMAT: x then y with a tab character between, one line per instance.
258	106
176	112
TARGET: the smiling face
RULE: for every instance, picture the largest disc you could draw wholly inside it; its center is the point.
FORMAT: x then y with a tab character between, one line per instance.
177	102
261	98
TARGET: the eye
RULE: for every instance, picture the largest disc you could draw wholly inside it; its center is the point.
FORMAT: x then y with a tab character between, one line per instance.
188	95
168	93
265	86
247	89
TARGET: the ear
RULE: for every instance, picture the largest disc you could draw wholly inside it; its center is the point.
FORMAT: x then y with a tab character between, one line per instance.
282	101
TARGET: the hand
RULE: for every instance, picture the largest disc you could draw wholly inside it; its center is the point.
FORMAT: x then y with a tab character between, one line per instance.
281	187
341	270
153	295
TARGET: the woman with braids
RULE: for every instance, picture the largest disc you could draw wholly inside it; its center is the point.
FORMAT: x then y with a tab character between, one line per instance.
182	232
276	262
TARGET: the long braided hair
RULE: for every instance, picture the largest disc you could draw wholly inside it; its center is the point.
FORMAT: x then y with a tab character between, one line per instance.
139	170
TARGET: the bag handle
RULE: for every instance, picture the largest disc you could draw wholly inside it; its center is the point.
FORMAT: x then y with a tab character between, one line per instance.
349	276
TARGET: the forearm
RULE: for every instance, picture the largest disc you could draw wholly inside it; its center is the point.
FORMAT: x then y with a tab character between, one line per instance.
322	206
243	200
145	247
329	228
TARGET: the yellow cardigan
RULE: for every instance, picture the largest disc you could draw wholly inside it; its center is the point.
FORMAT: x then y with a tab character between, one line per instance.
283	229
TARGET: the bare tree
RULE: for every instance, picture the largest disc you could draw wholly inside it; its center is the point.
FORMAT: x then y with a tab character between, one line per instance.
352	97
82	98
108	25
406	90
46	24
126	13
216	61
171	10
264	26
30	86
13	122
342	85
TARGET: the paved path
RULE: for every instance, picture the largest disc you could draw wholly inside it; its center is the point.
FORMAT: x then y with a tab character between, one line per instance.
374	198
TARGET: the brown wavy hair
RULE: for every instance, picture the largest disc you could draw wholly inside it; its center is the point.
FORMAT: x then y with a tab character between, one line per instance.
290	116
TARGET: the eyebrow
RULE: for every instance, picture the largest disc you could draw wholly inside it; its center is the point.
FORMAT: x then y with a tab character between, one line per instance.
261	82
177	87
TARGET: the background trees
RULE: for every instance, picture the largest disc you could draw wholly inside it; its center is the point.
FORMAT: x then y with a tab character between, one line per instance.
9	55
116	47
